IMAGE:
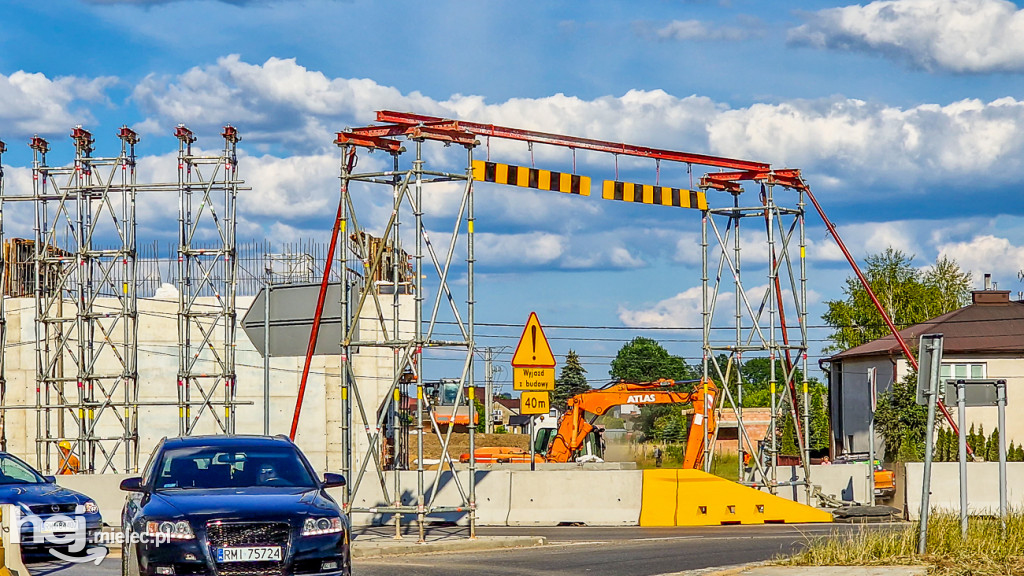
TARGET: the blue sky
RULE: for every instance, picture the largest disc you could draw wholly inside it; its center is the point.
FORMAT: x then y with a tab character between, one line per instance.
906	117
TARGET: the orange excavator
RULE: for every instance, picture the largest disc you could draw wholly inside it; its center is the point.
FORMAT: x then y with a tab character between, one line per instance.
574	426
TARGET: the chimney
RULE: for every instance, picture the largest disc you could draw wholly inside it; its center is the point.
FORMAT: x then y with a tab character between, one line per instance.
991	297
988	281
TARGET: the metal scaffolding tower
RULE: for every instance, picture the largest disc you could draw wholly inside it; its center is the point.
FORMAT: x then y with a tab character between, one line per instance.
384	277
85	305
207	275
759	320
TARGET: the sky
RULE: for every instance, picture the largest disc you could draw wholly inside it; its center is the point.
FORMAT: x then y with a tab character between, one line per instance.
906	118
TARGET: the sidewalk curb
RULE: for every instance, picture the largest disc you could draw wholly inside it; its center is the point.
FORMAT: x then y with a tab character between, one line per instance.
378	548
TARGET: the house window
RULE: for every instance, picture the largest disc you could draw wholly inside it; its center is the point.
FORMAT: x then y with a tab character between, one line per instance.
963	370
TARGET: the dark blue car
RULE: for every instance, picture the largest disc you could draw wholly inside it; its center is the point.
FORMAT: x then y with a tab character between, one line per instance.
238	505
47	511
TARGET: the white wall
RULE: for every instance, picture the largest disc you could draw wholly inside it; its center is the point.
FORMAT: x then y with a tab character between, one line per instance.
319	432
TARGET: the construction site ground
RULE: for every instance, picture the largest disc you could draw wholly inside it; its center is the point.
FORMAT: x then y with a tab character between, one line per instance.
460	444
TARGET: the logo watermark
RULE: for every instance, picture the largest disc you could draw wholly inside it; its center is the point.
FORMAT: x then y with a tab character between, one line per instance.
62	532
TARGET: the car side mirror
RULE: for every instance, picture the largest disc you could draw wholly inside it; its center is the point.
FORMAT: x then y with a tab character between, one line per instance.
132	484
50	479
332	480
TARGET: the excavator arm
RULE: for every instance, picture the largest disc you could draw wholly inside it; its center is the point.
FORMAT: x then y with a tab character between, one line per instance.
573	427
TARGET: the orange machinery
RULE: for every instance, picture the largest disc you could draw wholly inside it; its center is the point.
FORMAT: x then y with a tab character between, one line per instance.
574	426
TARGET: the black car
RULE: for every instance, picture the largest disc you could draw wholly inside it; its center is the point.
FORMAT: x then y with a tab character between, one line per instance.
46	509
238	505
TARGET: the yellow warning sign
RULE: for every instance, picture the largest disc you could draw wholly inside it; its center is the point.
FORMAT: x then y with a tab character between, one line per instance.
534	403
533	349
533	378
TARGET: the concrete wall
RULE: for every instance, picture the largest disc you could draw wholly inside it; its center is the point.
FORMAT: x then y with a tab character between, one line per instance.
103	489
319	432
847	482
982	487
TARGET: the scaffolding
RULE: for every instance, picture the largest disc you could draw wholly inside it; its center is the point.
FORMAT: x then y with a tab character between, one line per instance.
759	321
208	187
376	272
85	305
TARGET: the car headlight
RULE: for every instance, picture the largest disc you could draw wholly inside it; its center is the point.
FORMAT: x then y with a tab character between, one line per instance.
323	525
91	507
180	530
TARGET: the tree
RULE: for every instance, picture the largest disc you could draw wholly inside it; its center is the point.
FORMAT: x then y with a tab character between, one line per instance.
571	381
907	295
901	422
992	447
645	360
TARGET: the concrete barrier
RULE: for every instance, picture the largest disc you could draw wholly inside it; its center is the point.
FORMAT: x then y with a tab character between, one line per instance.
847	482
493	489
104	489
982	487
493	494
597	498
10	552
703	499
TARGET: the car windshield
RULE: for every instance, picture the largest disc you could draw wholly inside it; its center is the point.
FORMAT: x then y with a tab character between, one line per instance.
14	471
245	467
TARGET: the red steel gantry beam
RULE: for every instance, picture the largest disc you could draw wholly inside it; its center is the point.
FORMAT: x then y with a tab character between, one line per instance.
572	141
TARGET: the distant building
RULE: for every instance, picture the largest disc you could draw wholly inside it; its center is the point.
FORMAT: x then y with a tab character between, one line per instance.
983	340
503	409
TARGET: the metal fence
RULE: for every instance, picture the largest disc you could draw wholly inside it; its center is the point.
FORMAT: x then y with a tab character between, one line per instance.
258	262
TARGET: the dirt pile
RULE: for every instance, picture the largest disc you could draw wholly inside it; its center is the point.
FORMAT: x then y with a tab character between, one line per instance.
460	444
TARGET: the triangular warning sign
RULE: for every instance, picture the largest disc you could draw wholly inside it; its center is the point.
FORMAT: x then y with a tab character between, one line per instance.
533	350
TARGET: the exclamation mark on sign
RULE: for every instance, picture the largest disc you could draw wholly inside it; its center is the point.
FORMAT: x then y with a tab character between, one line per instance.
533	334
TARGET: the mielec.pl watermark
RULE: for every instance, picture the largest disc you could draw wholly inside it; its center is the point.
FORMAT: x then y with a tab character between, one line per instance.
60	532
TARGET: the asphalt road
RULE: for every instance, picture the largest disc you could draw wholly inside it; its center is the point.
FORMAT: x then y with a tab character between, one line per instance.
627	551
612	551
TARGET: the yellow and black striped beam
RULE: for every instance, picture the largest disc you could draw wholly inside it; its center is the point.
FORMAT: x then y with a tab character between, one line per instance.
657	195
531	178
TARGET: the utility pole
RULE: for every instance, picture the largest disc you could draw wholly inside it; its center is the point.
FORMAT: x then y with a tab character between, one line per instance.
488	391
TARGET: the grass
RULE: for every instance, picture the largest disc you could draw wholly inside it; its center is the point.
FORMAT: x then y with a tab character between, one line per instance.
986	551
724	464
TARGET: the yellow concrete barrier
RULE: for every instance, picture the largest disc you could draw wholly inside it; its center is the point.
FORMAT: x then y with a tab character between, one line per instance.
695	498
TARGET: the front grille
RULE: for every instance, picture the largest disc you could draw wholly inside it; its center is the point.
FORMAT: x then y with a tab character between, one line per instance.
53	508
248	534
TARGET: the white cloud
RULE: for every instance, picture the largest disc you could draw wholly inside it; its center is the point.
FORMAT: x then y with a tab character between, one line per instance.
522	249
36	104
699	31
296	186
682	310
850	138
279	100
835	140
986	254
973	36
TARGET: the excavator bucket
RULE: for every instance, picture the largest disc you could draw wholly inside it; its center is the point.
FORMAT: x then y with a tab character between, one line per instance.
681	497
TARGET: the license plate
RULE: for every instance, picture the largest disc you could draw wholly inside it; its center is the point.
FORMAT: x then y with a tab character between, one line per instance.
249	554
70	525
